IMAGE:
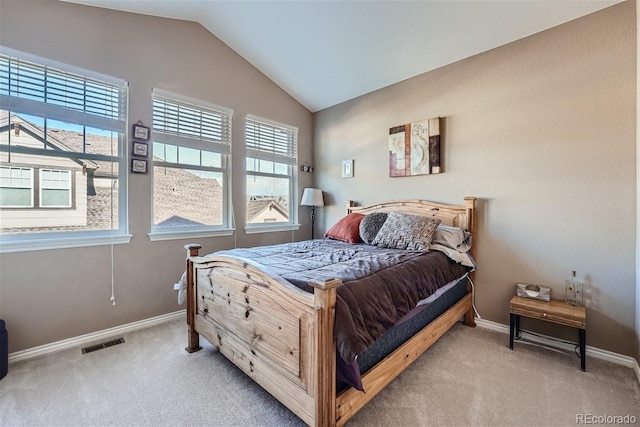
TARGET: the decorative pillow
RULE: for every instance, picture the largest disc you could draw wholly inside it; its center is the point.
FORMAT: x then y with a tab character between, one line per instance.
452	237
403	231
347	229
370	226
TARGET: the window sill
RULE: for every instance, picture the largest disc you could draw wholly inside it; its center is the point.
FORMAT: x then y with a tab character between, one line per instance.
155	236
271	228
34	244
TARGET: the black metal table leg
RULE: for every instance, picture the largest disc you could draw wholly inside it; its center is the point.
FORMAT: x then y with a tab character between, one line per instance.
583	349
512	324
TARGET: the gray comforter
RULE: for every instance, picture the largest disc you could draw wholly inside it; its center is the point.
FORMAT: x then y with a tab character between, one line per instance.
380	285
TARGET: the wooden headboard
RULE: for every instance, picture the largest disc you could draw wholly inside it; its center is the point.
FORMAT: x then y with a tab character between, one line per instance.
463	216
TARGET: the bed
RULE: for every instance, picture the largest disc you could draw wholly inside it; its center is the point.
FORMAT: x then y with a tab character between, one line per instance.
286	338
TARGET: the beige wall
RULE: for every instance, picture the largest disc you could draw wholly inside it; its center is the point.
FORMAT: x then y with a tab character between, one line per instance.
51	295
543	131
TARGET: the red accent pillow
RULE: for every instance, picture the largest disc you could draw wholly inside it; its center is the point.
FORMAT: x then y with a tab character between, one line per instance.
347	229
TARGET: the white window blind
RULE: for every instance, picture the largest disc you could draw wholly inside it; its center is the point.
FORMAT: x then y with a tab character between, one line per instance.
180	122
271	141
42	89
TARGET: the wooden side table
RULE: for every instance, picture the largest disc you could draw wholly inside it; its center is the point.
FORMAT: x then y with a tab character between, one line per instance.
553	311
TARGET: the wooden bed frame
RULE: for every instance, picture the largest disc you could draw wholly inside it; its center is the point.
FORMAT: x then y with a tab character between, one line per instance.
282	337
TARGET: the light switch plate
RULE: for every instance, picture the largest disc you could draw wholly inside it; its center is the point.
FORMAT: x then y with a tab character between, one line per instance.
347	168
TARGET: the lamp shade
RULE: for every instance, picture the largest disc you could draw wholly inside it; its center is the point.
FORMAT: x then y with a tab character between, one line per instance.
312	197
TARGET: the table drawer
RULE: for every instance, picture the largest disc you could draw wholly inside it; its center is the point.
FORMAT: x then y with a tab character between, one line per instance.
551	313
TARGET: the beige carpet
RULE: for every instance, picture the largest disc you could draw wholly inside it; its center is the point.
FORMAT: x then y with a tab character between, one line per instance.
469	377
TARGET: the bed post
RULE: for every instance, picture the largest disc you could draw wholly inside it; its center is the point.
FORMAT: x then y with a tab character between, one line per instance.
348	205
325	368
470	205
193	339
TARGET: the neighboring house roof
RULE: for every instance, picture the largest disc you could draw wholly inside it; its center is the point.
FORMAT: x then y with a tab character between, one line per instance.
257	206
94	144
197	200
99	209
63	142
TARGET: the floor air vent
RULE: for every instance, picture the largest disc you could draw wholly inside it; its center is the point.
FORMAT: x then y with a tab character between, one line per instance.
100	346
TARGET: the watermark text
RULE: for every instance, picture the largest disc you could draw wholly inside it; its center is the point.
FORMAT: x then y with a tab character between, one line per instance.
605	419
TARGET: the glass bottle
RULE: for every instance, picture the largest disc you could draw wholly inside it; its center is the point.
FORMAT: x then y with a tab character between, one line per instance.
573	291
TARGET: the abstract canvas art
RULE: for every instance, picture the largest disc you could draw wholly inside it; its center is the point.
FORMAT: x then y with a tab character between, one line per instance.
414	148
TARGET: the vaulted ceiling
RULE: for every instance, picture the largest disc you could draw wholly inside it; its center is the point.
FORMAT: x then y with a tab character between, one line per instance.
326	52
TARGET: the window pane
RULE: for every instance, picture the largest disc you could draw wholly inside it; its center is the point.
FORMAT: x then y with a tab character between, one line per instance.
15	197
65	136
281	168
15	177
101	191
213	160
252	165
257	165
16	187
188	156
55	188
55	178
267	200
266	166
95	206
165	152
187	197
55	198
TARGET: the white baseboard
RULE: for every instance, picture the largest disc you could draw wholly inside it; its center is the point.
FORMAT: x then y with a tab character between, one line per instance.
91	338
598	353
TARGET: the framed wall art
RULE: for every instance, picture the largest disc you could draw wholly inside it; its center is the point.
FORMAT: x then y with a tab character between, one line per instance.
414	148
140	149
140	131
138	166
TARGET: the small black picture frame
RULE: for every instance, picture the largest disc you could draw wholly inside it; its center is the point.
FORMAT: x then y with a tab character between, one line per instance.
138	166
140	132
140	149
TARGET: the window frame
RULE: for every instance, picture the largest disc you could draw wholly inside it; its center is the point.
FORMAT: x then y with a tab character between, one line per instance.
117	123
42	188
291	161
205	144
31	187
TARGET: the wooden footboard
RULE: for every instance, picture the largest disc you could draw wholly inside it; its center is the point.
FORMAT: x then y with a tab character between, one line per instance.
282	337
279	335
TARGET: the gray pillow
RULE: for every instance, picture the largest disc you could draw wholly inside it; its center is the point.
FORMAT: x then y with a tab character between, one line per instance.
403	231
370	225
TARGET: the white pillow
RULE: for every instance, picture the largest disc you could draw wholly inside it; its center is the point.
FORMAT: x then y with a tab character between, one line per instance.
452	237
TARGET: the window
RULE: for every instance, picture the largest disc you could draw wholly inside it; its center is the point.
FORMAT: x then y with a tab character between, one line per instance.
191	153
17	190
62	155
55	188
271	174
16	187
